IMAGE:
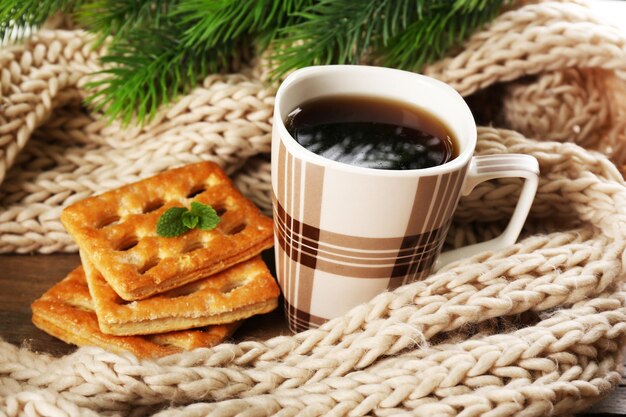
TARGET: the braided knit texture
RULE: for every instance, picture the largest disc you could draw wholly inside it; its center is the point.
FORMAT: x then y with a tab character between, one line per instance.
532	330
64	153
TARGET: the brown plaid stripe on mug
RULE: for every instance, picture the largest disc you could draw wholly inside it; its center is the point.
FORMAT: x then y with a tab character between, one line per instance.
305	247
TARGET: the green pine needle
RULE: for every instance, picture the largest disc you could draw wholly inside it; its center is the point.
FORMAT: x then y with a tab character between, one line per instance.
18	17
120	17
158	49
403	33
441	29
151	68
340	32
211	22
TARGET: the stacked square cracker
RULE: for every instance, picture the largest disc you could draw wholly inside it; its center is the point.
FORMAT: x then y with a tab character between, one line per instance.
156	295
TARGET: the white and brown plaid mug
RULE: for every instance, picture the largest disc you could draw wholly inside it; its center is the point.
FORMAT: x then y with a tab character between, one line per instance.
343	233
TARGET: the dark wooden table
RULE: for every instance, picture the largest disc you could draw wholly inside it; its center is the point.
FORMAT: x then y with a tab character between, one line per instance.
23	278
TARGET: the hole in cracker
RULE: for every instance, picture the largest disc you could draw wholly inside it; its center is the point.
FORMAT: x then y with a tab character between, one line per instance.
109	221
220	209
152	206
193	246
152	262
237	229
127	243
196	190
231	286
183	291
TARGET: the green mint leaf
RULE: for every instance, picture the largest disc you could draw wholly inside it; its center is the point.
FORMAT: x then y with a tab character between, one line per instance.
207	216
171	224
177	220
189	219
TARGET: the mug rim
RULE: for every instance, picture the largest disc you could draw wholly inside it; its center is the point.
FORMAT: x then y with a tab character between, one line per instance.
466	147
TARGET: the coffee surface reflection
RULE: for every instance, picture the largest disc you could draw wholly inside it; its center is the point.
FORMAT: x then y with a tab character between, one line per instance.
371	132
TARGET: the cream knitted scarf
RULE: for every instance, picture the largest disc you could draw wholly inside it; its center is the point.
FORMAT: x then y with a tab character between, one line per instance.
536	329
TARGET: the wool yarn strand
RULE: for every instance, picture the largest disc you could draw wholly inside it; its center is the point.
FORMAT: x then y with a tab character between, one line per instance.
534	329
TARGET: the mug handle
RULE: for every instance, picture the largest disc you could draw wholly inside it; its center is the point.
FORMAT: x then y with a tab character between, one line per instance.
488	167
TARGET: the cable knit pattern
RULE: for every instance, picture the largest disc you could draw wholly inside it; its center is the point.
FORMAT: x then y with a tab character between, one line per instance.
64	154
532	330
454	344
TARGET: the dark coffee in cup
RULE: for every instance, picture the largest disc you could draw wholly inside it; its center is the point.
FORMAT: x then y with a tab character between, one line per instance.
372	132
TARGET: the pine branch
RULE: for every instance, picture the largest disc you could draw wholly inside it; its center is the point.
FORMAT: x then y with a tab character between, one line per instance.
151	67
211	22
440	29
161	48
18	17
342	31
401	33
119	17
158	57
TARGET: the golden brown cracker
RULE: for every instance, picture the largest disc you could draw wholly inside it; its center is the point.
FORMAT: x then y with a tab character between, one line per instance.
117	231
66	312
239	292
